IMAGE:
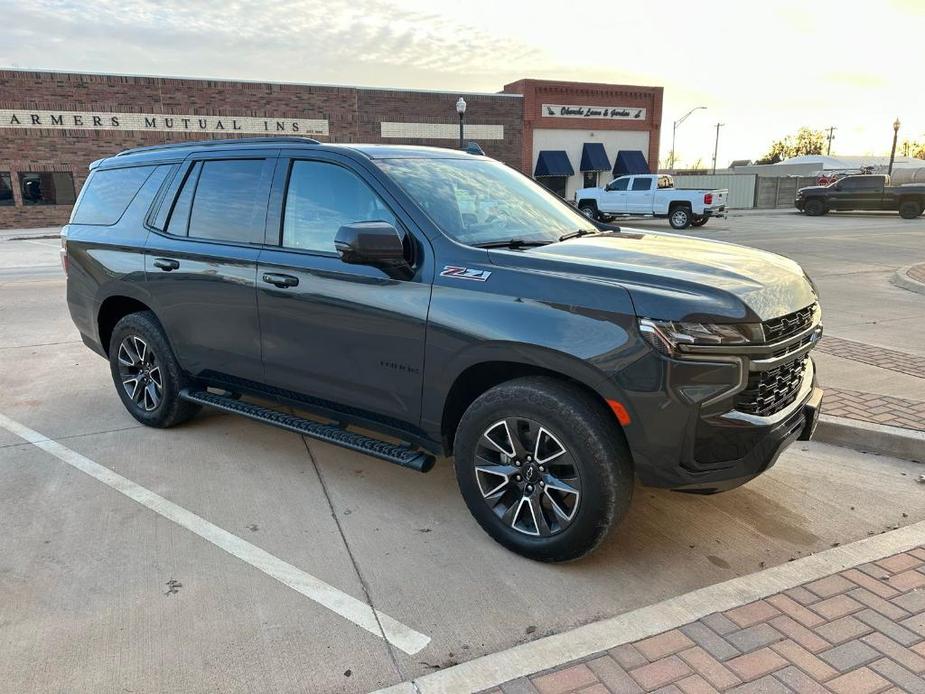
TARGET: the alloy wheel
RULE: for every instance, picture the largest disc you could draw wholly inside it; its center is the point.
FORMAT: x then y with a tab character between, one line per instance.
527	477
679	218
140	373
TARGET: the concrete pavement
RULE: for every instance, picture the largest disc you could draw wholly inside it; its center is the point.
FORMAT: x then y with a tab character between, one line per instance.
107	594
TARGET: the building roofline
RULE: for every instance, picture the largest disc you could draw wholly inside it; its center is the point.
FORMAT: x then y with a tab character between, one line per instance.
229	80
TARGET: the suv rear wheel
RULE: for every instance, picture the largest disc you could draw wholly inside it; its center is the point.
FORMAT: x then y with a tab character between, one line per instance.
145	372
542	468
910	209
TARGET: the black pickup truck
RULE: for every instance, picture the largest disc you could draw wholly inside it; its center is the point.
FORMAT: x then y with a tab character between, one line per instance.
449	306
870	192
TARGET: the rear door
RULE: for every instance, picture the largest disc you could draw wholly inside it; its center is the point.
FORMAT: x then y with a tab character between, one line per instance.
346	335
640	195
201	262
613	199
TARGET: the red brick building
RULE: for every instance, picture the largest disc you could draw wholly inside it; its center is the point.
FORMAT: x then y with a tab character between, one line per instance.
52	125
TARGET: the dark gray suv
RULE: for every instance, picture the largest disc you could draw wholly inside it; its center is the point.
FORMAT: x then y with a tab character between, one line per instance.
451	306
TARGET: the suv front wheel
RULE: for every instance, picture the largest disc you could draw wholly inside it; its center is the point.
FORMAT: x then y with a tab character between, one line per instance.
145	372
542	468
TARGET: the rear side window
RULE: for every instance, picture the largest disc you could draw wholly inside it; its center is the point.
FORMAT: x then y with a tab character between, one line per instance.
642	183
108	194
179	217
230	202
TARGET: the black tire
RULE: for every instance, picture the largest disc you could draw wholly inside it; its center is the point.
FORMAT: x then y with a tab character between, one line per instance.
145	372
814	208
910	209
699	220
560	416
680	217
589	210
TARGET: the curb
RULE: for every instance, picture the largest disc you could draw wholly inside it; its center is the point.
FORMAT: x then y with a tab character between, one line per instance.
901	279
868	437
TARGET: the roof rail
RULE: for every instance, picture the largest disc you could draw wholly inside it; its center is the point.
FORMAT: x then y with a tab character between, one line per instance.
213	143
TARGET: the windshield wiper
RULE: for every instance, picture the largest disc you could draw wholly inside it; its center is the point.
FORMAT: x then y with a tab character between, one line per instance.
578	234
512	243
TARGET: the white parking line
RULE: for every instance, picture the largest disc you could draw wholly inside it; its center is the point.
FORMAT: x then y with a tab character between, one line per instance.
348	607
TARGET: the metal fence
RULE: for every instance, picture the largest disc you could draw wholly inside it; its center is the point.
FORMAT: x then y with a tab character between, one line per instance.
779	191
741	187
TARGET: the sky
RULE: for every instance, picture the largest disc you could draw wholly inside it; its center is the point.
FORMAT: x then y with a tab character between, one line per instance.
763	68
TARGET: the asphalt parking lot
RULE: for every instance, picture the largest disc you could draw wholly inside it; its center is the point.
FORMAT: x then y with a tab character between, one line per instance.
227	556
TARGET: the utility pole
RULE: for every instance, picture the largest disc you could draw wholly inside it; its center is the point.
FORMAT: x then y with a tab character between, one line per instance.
896	125
716	146
830	137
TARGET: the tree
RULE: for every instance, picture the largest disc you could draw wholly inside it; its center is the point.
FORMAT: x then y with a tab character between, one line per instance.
911	148
805	141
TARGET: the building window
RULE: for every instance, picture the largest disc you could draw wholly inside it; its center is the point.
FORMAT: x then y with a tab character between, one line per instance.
6	188
591	178
554	184
47	188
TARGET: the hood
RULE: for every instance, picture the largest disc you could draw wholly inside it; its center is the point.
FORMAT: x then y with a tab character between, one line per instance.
812	188
673	277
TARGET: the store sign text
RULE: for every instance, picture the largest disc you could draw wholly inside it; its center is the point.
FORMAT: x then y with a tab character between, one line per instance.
604	112
160	122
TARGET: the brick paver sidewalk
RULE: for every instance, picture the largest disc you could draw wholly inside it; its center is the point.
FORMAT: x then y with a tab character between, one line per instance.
861	630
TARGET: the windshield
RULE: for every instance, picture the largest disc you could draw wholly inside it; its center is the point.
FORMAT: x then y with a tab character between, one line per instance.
479	201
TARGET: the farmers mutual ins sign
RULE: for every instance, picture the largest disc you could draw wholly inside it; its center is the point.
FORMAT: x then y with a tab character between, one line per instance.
160	122
605	112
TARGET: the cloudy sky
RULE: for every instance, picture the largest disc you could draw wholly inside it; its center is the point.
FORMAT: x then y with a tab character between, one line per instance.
762	68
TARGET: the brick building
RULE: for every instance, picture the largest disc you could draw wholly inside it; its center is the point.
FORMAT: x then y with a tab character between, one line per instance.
52	125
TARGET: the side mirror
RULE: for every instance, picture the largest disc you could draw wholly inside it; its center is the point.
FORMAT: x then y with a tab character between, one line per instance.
377	244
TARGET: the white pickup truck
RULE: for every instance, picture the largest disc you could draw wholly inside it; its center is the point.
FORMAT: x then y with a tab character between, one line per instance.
652	195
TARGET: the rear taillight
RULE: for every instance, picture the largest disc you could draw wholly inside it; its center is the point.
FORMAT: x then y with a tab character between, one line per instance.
708	199
63	251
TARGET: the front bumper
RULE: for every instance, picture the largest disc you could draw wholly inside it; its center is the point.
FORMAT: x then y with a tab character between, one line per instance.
798	203
688	430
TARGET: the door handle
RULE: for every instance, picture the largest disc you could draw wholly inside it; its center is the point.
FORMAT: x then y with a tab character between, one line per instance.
281	281
166	264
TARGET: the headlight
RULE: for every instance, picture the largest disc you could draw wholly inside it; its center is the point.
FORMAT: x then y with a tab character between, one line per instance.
669	337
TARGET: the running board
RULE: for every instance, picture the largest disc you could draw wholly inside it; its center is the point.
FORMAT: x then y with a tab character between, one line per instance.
329	433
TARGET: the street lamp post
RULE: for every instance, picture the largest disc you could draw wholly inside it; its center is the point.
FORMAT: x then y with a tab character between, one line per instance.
674	130
461	110
896	125
716	146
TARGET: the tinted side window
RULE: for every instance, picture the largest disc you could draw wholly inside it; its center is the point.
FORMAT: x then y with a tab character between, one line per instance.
47	188
642	183
323	197
6	188
108	193
178	222
620	184
230	202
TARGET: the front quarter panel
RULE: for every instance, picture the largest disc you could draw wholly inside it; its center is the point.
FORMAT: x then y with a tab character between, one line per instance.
580	329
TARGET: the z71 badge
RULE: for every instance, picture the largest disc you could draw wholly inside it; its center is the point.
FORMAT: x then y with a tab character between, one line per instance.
465	273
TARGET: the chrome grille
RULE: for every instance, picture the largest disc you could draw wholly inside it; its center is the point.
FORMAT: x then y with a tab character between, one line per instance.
771	391
786	326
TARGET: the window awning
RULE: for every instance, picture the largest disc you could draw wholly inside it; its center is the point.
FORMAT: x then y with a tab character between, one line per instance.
594	157
553	162
630	161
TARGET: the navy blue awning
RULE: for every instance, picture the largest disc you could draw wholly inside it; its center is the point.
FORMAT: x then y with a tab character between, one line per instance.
594	157
553	162
630	161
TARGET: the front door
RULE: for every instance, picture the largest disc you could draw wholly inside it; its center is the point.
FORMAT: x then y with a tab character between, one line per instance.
201	267
348	335
613	199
